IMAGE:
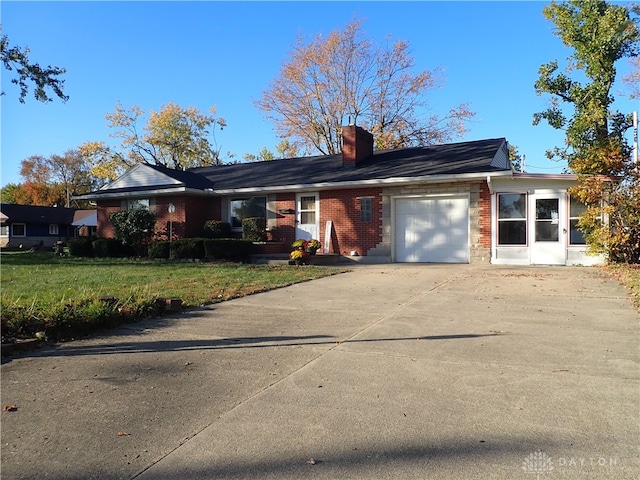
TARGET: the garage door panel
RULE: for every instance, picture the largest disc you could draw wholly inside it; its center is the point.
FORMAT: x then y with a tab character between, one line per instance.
432	230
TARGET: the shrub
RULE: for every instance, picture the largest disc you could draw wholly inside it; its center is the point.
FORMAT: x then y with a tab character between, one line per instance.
217	229
254	229
80	247
192	248
109	248
134	227
234	250
159	249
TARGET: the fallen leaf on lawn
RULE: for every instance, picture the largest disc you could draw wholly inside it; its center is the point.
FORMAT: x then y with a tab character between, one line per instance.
10	408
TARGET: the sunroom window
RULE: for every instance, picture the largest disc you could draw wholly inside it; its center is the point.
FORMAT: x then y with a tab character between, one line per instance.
512	219
576	208
246	208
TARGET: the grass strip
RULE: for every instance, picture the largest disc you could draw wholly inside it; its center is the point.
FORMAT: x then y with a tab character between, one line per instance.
70	297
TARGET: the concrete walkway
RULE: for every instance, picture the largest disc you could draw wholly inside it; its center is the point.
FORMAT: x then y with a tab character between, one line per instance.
389	371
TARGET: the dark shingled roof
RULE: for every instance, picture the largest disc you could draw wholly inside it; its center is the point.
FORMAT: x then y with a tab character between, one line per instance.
37	214
448	159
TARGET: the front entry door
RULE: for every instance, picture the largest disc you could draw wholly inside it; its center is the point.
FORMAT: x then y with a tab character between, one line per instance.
307	216
548	232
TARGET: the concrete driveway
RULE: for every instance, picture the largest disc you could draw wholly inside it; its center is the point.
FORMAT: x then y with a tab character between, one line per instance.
389	371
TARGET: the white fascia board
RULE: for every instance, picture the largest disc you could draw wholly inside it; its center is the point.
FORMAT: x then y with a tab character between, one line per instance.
460	177
142	193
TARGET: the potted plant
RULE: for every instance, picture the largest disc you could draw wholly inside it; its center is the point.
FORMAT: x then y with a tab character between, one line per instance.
298	256
312	246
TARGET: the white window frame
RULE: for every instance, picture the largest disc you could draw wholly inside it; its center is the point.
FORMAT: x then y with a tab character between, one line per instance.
237	228
366	209
141	203
53	229
524	219
571	219
24	230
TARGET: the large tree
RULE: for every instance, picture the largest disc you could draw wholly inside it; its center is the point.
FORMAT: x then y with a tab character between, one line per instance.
173	137
345	77
43	78
599	34
53	180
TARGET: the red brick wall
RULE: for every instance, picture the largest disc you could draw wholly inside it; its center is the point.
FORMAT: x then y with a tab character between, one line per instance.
343	208
485	216
285	229
104	209
357	144
187	221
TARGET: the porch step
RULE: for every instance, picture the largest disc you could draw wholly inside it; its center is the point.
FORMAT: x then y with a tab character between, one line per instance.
270	259
283	259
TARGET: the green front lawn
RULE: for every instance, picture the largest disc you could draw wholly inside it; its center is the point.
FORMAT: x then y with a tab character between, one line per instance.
61	296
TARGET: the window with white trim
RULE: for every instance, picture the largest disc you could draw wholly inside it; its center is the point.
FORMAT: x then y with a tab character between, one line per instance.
366	209
248	207
53	229
18	230
576	208
142	203
512	219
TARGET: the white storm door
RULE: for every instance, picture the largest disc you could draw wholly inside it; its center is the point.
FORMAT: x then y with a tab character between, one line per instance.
307	216
548	231
432	229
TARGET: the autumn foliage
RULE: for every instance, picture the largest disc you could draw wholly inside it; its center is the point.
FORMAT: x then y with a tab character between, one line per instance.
596	149
344	78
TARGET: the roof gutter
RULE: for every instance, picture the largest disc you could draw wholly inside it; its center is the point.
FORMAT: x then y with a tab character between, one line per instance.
461	177
140	193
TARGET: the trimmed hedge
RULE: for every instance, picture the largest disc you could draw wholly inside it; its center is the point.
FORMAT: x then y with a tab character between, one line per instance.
188	248
201	248
229	249
159	249
81	247
217	229
111	248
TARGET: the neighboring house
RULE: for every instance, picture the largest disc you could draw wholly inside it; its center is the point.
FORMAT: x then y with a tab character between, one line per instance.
455	203
32	226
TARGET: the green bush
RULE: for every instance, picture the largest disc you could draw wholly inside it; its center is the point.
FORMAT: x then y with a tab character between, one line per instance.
159	249
134	228
231	249
217	229
107	248
254	229
81	247
192	248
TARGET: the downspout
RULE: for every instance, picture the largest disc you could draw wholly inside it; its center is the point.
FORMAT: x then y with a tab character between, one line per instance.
493	243
489	184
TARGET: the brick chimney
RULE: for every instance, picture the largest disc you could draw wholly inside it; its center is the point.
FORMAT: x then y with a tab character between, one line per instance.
357	145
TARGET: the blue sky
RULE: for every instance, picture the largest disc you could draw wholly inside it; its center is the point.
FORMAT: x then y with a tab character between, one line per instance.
225	54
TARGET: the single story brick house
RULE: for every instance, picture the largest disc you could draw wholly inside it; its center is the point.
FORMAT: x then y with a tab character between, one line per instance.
452	203
31	226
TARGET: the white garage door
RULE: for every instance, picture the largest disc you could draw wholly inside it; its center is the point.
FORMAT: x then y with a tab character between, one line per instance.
432	230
